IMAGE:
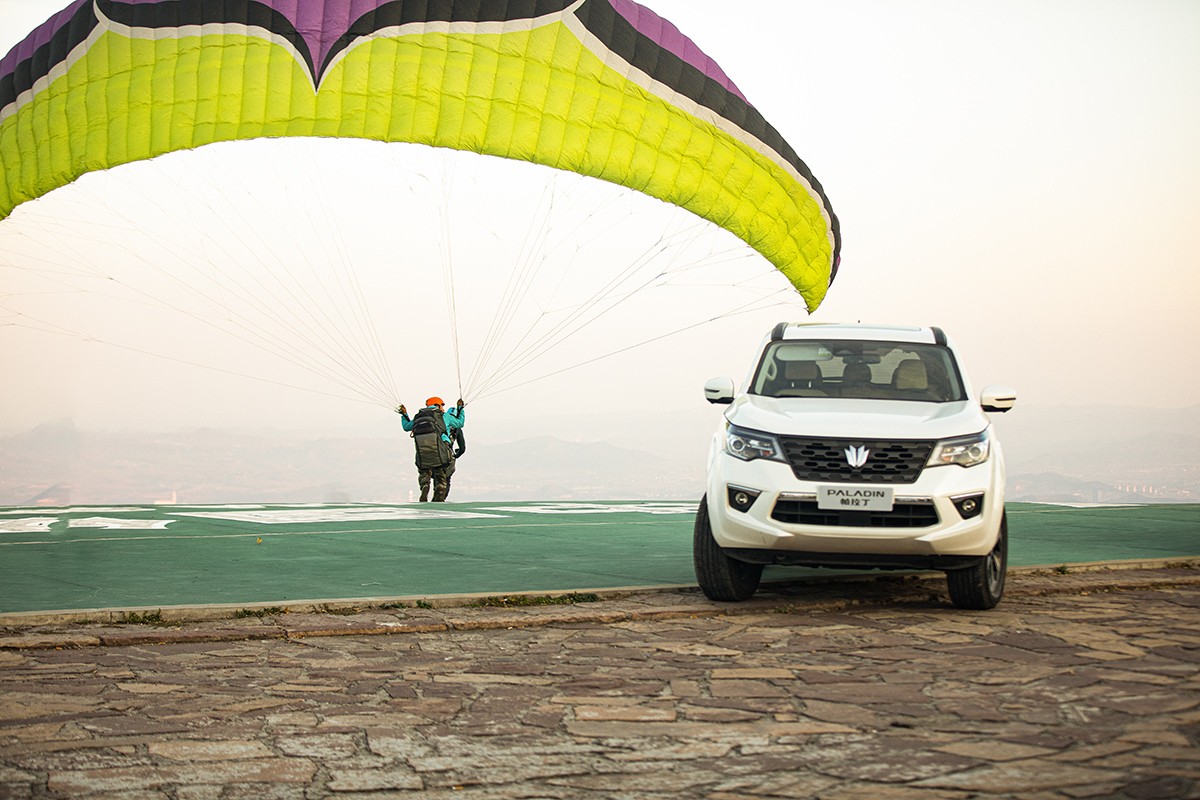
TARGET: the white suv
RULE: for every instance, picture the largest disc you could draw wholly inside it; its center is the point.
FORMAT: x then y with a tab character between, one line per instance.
855	446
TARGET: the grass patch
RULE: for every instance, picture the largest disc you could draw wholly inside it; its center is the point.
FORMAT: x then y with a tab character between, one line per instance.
270	611
539	600
147	618
343	611
1062	570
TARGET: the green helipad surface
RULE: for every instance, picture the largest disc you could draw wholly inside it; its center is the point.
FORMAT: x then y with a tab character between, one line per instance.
139	556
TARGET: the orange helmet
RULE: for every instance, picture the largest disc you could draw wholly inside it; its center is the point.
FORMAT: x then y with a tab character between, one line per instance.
434	401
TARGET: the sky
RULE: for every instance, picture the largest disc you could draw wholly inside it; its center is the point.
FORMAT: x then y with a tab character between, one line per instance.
1024	175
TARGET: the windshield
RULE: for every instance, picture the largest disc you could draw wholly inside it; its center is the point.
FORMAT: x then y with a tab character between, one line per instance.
858	370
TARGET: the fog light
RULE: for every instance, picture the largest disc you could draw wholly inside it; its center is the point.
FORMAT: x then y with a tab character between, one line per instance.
968	506
741	498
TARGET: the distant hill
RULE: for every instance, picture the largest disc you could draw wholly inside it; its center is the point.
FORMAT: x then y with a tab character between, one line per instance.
1096	454
546	468
207	466
1050	487
1141	454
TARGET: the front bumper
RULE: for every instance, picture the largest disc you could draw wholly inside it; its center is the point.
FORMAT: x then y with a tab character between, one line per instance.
783	524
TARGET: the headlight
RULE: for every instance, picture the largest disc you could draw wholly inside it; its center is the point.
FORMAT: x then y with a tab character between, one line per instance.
965	451
749	445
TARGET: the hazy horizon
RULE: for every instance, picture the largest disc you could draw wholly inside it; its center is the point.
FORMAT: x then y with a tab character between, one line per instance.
1092	454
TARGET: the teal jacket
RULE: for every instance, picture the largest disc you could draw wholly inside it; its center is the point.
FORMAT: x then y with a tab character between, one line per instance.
454	418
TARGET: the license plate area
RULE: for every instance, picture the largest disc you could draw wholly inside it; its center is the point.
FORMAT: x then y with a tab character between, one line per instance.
855	498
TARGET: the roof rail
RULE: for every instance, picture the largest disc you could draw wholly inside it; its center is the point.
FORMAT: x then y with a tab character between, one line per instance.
777	331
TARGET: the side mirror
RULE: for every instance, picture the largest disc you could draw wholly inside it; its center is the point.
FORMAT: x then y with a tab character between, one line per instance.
997	398
719	390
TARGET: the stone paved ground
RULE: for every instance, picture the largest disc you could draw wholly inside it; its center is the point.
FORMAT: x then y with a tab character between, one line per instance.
1079	685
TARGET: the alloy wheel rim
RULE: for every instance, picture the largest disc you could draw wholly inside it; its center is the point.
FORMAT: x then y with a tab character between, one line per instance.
995	571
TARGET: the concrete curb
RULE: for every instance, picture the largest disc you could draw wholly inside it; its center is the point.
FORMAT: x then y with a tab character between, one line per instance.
386	617
169	615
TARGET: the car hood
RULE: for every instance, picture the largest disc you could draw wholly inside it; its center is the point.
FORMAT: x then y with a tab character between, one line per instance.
856	419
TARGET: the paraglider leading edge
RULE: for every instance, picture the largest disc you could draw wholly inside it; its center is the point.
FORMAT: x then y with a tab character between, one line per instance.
605	88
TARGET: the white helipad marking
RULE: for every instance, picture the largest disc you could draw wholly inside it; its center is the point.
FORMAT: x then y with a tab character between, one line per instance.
599	508
74	510
1094	505
28	525
174	509
112	524
316	515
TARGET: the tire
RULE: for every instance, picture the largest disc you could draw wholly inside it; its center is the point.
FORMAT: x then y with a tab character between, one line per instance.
980	587
720	577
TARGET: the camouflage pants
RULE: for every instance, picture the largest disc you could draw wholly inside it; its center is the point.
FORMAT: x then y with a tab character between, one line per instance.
439	477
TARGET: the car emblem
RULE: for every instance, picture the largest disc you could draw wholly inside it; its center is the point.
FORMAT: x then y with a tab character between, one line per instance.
857	456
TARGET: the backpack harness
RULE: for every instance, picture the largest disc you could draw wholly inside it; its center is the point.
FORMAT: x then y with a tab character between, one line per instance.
429	435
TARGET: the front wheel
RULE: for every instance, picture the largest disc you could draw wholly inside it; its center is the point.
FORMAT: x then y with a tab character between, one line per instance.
981	586
720	577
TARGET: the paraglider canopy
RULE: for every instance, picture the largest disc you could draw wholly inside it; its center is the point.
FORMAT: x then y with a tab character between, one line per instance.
603	88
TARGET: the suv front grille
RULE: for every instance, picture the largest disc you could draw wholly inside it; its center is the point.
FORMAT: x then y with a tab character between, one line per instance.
827	460
904	514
